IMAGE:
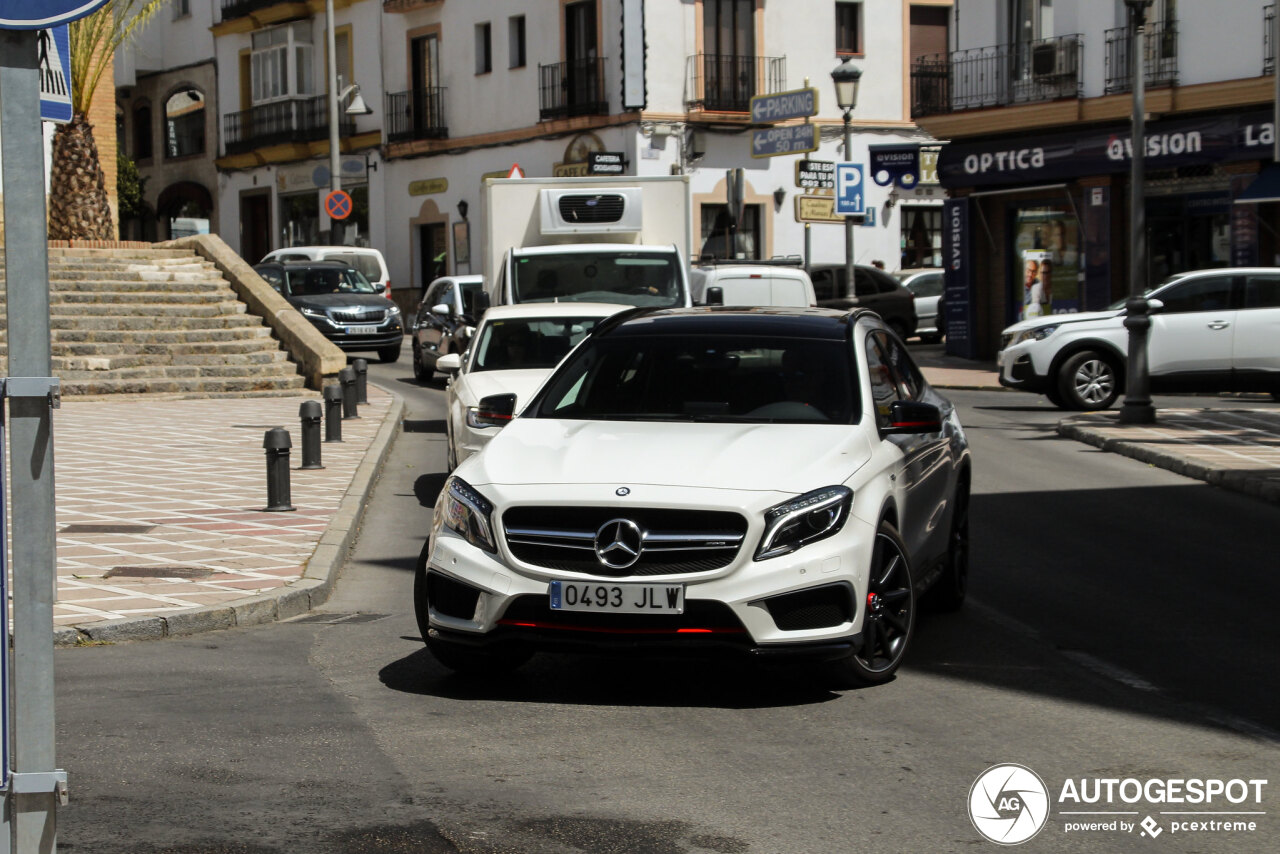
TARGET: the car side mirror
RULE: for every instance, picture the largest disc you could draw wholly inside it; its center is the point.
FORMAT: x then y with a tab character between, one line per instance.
440	309
496	410
449	363
715	295
913	416
1154	305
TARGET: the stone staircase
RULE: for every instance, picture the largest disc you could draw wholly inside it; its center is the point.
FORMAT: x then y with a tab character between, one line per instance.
155	321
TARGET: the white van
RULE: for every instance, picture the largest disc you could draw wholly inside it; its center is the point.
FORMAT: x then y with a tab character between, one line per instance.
368	261
751	284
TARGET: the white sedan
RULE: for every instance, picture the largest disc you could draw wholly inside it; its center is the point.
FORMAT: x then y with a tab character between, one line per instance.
513	350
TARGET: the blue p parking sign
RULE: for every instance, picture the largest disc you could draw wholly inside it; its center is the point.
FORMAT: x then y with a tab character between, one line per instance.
850	192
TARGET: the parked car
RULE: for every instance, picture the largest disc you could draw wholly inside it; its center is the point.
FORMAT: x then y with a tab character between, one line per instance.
444	322
515	347
873	289
368	261
341	303
782	483
925	284
751	284
1211	331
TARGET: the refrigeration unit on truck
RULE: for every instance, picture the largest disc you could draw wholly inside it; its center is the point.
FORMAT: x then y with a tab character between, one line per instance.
611	239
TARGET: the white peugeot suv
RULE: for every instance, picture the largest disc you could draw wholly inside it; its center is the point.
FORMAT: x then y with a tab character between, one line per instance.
767	481
1211	331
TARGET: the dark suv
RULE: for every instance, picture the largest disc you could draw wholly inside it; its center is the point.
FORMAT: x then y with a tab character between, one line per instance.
341	303
873	289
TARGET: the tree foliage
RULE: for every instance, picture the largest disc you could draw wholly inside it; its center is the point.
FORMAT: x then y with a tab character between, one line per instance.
95	40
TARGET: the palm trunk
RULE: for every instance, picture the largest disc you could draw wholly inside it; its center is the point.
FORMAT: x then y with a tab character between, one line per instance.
78	205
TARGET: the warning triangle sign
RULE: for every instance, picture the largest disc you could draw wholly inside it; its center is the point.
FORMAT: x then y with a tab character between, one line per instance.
516	171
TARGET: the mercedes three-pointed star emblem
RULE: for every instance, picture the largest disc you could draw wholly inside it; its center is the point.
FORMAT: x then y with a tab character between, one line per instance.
618	543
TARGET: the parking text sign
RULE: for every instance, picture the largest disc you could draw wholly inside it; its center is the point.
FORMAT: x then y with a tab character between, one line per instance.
787	139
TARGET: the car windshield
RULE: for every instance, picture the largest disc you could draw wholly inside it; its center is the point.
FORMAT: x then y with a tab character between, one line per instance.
367	264
314	281
1119	304
731	378
630	278
533	342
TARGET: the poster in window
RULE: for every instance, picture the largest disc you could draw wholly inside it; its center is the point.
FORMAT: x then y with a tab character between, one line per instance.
1047	242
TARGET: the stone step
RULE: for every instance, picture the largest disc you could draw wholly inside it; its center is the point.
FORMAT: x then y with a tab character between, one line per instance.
198	346
157	337
181	372
156	312
98	362
145	322
229	387
60	301
94	285
63	278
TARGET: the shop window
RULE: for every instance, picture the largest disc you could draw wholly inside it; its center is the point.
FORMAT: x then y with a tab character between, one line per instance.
142	132
921	237
848	28
184	116
720	241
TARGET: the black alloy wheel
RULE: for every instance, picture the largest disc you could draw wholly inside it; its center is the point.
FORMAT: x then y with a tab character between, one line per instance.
420	372
389	354
889	616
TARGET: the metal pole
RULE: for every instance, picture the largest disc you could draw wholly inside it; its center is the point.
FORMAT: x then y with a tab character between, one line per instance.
31	808
335	160
1137	408
849	289
1275	73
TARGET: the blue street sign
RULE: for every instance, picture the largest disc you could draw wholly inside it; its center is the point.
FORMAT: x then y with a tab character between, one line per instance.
53	53
787	139
850	193
781	106
42	14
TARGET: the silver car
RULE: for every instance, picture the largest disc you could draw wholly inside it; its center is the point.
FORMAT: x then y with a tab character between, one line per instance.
925	283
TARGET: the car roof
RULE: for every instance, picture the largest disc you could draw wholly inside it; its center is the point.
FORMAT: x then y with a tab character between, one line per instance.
559	248
739	269
477	279
369	250
553	309
299	264
781	321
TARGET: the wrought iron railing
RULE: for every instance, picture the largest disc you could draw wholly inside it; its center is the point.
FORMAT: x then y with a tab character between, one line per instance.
1160	56
1268	41
723	83
240	8
996	76
416	114
295	120
574	88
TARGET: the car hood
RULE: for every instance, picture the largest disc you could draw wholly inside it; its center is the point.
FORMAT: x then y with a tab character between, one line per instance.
328	301
793	458
480	384
1058	319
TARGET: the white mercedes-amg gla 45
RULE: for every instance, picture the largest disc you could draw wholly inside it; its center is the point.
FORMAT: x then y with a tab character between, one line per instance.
774	482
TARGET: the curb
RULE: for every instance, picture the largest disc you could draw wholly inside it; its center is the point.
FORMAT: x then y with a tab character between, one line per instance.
294	599
1235	481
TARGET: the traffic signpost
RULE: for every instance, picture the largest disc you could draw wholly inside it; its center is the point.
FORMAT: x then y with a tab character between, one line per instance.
53	54
780	106
850	192
337	204
785	139
35	788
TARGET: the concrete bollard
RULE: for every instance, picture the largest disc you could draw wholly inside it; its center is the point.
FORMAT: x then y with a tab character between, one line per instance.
310	413
333	413
347	376
361	367
277	444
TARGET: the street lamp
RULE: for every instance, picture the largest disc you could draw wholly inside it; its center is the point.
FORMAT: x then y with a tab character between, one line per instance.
357	108
846	77
1137	408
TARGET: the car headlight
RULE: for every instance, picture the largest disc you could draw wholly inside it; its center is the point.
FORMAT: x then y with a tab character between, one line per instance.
1039	333
311	312
394	311
811	517
467	513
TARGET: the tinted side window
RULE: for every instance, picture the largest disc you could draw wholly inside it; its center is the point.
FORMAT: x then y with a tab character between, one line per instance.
273	276
1211	293
884	390
885	283
1262	292
865	284
905	373
824	284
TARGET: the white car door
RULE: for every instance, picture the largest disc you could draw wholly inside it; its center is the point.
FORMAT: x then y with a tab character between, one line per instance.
1256	346
1192	333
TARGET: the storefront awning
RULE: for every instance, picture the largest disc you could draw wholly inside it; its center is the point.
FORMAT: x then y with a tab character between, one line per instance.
1265	188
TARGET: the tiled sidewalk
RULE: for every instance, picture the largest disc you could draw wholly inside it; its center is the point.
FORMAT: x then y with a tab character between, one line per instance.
160	502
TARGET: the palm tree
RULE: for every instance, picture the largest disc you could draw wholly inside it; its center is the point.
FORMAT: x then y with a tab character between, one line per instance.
78	203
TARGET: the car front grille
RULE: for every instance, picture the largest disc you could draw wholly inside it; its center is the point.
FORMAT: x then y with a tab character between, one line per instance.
674	542
375	316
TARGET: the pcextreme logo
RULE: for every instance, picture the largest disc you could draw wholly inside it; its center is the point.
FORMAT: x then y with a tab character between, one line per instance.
1009	804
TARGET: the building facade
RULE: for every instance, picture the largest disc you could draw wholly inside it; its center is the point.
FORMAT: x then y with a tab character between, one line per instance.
461	91
1035	99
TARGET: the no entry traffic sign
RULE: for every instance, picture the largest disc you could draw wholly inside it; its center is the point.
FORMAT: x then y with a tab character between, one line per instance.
337	205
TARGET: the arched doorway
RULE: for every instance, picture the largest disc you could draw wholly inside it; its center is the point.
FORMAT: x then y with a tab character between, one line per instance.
184	208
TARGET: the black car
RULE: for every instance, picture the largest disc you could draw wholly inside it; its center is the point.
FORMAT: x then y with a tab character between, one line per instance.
873	289
341	303
446	319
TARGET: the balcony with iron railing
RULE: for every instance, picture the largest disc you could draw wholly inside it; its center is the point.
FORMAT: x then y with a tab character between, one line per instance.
294	120
1160	56
240	8
720	83
573	88
997	76
416	114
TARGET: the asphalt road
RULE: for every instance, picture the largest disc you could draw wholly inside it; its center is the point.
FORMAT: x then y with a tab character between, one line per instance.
1121	627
